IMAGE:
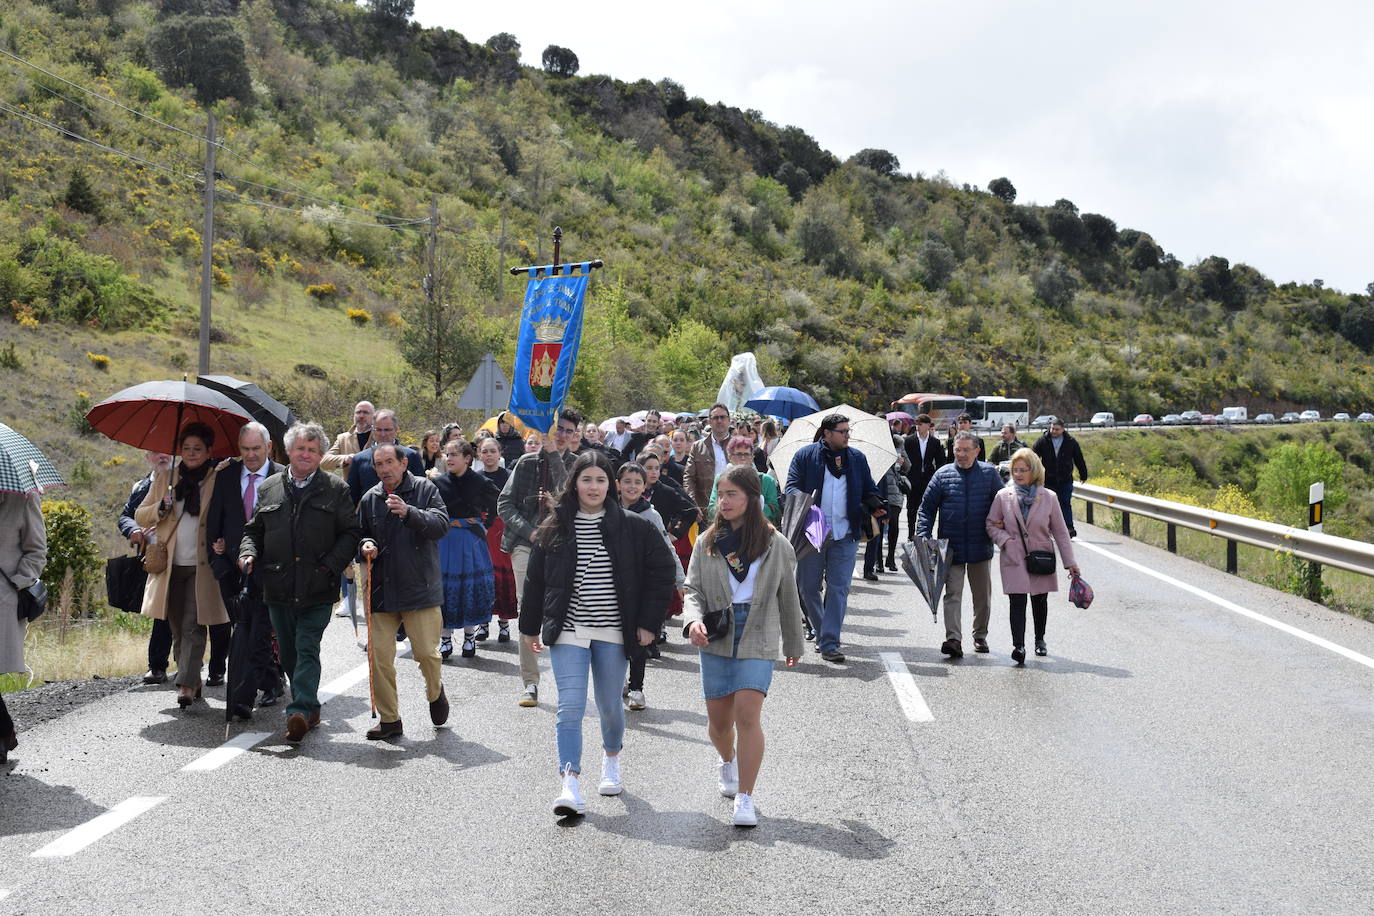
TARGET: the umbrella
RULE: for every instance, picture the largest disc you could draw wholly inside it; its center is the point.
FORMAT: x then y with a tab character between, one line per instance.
261	406
867	434
608	426
781	401
926	561
23	468
899	416
796	508
491	424
151	416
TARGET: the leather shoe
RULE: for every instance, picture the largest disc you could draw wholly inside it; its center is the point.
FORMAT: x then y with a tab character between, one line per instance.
953	648
1018	655
296	727
870	575
383	730
241	712
313	721
155	676
438	708
215	680
833	655
1041	648
980	645
891	567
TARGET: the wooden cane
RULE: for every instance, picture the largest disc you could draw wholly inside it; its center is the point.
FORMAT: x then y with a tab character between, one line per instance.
367	616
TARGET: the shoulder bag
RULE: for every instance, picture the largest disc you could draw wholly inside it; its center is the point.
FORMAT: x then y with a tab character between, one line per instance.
33	601
1038	562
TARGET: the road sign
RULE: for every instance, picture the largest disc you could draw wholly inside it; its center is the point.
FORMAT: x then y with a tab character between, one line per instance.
489	391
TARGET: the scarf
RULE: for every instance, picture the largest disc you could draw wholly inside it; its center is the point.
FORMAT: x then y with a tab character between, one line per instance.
835	462
1025	497
728	546
187	488
639	505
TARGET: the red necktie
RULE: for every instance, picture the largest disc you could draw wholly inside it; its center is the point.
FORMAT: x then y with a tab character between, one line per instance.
250	495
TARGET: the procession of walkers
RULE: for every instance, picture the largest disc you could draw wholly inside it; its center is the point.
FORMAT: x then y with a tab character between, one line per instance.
732	533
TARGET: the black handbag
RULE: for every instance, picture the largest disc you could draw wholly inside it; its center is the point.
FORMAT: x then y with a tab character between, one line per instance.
1038	562
717	624
33	601
125	579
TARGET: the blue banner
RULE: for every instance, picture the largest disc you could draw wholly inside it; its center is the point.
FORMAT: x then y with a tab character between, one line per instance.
546	353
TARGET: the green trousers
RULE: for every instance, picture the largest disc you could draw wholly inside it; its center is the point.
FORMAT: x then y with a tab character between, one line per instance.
298	637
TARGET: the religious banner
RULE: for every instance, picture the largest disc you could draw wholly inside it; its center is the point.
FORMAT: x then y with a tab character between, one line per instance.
546	351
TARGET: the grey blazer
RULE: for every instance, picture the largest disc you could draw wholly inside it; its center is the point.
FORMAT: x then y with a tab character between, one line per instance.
774	613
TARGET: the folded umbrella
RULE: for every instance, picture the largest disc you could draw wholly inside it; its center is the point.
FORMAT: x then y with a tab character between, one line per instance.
23	468
796	510
926	561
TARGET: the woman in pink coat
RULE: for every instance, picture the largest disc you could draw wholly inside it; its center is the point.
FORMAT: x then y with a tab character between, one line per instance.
1025	516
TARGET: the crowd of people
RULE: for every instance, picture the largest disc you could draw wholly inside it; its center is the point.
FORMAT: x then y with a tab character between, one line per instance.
591	541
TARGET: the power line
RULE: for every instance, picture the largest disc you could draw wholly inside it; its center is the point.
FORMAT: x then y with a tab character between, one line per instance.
234	197
67	132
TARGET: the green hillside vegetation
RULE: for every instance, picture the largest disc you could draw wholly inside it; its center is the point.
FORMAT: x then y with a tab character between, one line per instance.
722	232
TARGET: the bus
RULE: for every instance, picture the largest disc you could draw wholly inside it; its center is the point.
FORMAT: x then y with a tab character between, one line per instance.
992	413
942	408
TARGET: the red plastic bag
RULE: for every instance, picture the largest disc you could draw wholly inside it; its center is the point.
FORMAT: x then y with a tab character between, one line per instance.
1080	592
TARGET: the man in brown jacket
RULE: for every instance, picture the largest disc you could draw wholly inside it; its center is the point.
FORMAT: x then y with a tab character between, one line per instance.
706	460
351	441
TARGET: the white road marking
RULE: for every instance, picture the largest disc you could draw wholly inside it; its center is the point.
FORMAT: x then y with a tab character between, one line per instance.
343	682
1236	608
213	760
78	838
4	892
908	694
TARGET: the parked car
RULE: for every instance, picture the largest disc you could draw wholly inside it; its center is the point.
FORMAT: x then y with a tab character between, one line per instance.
1143	419
1103	418
1264	418
1341	417
1042	421
1309	416
1365	417
1171	419
1191	416
1209	419
1290	417
1234	415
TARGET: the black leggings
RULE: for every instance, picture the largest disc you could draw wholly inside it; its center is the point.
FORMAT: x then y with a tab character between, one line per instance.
1040	610
637	664
6	723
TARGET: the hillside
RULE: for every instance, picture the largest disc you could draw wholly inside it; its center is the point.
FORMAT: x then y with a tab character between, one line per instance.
721	231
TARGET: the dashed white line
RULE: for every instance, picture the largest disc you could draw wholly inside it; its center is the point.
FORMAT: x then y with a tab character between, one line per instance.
213	760
908	694
78	838
4	892
1236	608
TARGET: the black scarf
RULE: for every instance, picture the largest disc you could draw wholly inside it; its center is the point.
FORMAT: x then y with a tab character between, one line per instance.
728	546
188	486
638	506
835	462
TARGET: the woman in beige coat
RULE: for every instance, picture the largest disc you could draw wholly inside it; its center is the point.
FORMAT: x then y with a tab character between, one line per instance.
185	594
23	554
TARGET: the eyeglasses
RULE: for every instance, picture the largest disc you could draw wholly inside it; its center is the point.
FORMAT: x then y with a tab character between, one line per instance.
720	416
567	430
842	432
741	454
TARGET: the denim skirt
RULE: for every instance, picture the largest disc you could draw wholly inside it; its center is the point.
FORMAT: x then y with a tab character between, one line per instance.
722	675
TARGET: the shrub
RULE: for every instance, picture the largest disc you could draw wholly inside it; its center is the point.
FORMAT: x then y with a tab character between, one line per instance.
76	415
8	358
322	292
359	317
70	547
99	360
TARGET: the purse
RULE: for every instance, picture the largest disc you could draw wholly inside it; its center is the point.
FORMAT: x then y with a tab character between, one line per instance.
717	624
1038	562
155	558
125	579
33	600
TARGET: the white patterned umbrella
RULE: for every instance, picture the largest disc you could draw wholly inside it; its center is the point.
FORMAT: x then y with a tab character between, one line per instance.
867	434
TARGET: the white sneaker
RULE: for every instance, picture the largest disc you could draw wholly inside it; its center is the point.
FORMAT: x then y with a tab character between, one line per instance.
728	774
745	815
570	801
610	776
634	699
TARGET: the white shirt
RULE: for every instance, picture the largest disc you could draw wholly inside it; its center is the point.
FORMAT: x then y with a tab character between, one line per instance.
188	531
835	504
921	443
743	592
261	474
302	484
721	462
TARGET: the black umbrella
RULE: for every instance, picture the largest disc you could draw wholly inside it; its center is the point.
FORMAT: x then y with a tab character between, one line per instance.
152	415
264	408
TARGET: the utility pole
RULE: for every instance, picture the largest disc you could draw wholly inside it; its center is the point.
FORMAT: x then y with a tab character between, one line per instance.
430	292
207	238
501	256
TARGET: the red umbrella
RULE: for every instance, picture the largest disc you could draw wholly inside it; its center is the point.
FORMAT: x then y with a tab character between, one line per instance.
151	415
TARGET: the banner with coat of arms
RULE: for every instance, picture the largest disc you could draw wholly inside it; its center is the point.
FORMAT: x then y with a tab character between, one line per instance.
546	352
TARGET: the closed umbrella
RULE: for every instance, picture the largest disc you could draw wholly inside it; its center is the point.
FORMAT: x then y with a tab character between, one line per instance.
781	401
151	416
261	406
867	434
23	468
926	561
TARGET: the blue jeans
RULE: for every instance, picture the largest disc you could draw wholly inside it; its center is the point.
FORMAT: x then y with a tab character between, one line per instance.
606	663
834	565
1065	493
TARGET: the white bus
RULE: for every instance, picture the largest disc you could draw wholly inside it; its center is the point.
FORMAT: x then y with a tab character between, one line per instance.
992	413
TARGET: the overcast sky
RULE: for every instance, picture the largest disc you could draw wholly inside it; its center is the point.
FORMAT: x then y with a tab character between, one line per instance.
1243	129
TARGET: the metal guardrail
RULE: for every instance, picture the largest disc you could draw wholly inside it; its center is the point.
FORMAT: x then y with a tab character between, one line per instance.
1316	547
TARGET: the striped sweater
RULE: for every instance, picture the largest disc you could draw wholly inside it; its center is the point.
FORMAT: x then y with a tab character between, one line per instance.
594	611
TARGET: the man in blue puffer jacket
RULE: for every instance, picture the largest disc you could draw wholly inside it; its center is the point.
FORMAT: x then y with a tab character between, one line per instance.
962	494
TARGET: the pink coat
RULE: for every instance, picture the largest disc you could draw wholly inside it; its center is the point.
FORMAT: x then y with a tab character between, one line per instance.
1046	530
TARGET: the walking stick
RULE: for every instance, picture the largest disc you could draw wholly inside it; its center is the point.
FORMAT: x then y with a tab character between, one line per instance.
367	616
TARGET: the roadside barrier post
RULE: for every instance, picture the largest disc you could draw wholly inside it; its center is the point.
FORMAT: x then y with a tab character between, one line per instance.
1312	577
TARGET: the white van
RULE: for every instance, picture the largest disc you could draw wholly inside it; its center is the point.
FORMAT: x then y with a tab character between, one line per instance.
1234	415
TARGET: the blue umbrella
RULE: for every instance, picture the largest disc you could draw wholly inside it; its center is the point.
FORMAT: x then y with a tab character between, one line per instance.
781	401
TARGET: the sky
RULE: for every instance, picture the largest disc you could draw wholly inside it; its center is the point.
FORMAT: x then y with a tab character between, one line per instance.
1239	129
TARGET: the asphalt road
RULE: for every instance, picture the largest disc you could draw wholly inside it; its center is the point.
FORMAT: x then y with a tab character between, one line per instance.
1170	756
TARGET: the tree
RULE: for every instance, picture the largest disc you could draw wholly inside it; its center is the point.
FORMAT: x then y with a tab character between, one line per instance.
1003	189
443	337
81	197
1065	226
217	68
560	61
1144	253
1215	282
392	12
1357	325
690	362
504	43
1101	233
1290	469
879	160
1055	286
937	263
